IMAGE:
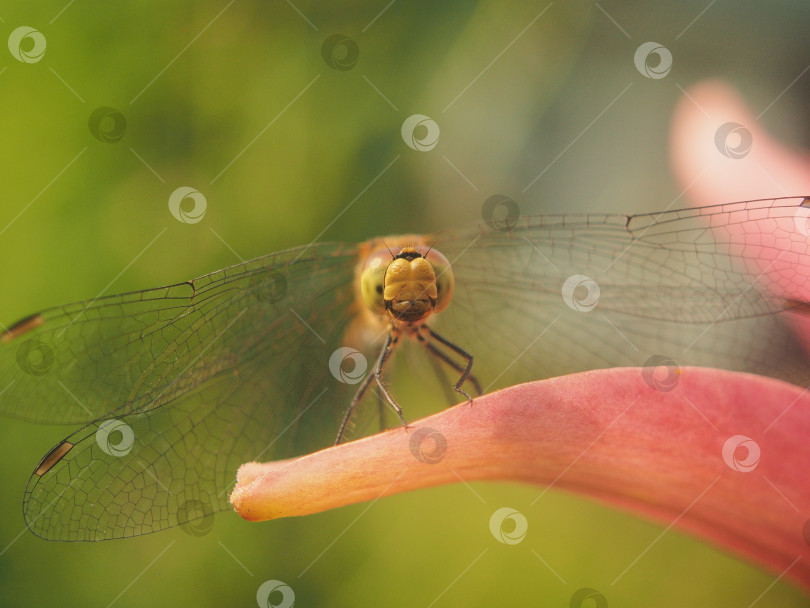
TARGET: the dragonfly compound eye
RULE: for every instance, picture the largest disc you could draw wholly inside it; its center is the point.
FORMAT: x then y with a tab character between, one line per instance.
445	283
372	282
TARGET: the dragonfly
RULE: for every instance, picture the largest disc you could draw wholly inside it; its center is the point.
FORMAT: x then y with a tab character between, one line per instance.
173	388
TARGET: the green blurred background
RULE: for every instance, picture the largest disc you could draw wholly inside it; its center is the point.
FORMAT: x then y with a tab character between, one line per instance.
236	100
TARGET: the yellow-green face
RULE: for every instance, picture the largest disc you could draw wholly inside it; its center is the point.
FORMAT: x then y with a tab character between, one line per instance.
410	285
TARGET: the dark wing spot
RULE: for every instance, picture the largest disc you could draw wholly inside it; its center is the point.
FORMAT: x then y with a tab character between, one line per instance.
22	326
52	457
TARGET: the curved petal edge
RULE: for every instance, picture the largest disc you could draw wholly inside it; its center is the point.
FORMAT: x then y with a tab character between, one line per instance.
723	455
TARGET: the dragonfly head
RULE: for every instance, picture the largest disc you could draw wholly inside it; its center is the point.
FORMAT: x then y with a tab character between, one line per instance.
410	286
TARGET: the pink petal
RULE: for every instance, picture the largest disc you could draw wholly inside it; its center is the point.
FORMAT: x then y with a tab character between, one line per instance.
605	434
769	169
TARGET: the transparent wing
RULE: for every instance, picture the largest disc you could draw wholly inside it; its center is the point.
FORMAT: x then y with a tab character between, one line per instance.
138	351
560	294
182	385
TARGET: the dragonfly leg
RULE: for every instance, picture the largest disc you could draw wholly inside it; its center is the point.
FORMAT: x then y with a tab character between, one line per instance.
355	400
464	370
471	378
436	362
381	412
390	343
